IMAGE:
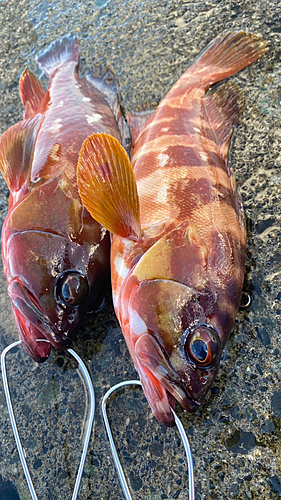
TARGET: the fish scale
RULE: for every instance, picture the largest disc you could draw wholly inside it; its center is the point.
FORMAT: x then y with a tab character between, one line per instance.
177	275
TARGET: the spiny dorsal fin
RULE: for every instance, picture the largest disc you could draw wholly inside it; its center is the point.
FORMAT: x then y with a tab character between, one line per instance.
16	151
59	53
137	122
31	93
107	185
223	104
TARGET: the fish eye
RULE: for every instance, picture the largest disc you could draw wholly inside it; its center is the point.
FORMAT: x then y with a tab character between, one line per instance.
72	288
202	344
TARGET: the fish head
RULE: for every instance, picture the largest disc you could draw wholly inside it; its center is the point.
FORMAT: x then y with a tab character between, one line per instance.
178	312
176	349
58	259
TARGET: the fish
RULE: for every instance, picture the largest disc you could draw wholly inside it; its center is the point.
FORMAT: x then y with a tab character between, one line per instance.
55	255
177	224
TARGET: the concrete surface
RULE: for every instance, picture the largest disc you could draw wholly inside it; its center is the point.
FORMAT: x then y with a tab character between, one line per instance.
235	437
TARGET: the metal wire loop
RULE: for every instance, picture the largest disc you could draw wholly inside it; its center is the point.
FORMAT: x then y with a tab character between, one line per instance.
88	427
246	301
116	459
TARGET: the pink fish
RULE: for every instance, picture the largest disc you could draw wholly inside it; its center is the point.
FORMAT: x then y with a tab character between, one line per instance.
56	257
178	245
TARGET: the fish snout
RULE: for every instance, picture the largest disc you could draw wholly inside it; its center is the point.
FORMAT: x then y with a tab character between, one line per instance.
154	361
33	324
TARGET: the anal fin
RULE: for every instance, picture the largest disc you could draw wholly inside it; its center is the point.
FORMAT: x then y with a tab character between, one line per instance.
31	93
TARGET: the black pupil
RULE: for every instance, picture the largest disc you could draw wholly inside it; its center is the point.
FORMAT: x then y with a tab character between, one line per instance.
199	349
73	289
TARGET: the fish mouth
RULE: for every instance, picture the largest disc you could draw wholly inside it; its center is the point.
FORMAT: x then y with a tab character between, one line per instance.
152	358
32	323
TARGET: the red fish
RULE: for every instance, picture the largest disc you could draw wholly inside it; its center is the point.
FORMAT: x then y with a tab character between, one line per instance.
178	244
56	257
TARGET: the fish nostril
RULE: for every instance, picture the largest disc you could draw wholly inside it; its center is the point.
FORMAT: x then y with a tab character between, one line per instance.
72	316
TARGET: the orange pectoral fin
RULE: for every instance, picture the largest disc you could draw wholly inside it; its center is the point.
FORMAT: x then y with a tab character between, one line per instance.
107	185
31	93
16	151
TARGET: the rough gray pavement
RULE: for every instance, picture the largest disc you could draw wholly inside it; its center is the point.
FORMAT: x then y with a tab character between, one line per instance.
235	437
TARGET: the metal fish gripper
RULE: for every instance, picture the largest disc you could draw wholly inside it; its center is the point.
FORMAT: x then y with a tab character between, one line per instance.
88	425
116	459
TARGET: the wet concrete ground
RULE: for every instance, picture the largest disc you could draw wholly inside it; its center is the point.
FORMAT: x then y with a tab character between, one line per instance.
235	437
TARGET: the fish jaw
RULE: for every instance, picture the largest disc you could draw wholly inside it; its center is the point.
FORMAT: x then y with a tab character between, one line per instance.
33	326
164	318
161	379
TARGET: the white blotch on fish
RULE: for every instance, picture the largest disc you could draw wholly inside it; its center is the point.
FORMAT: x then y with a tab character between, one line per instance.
94	118
162	194
163	159
56	126
203	156
93	249
121	267
137	325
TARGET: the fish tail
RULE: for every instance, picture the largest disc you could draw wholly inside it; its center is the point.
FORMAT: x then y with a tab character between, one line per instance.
58	53
227	55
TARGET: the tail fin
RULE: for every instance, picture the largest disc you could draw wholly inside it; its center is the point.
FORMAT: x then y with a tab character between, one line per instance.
227	55
59	53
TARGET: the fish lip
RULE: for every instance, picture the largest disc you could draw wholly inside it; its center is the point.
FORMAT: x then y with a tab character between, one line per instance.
27	306
156	361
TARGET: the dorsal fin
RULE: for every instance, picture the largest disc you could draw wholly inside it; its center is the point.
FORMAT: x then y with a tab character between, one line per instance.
59	53
107	186
104	80
137	122
16	151
223	104
31	93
